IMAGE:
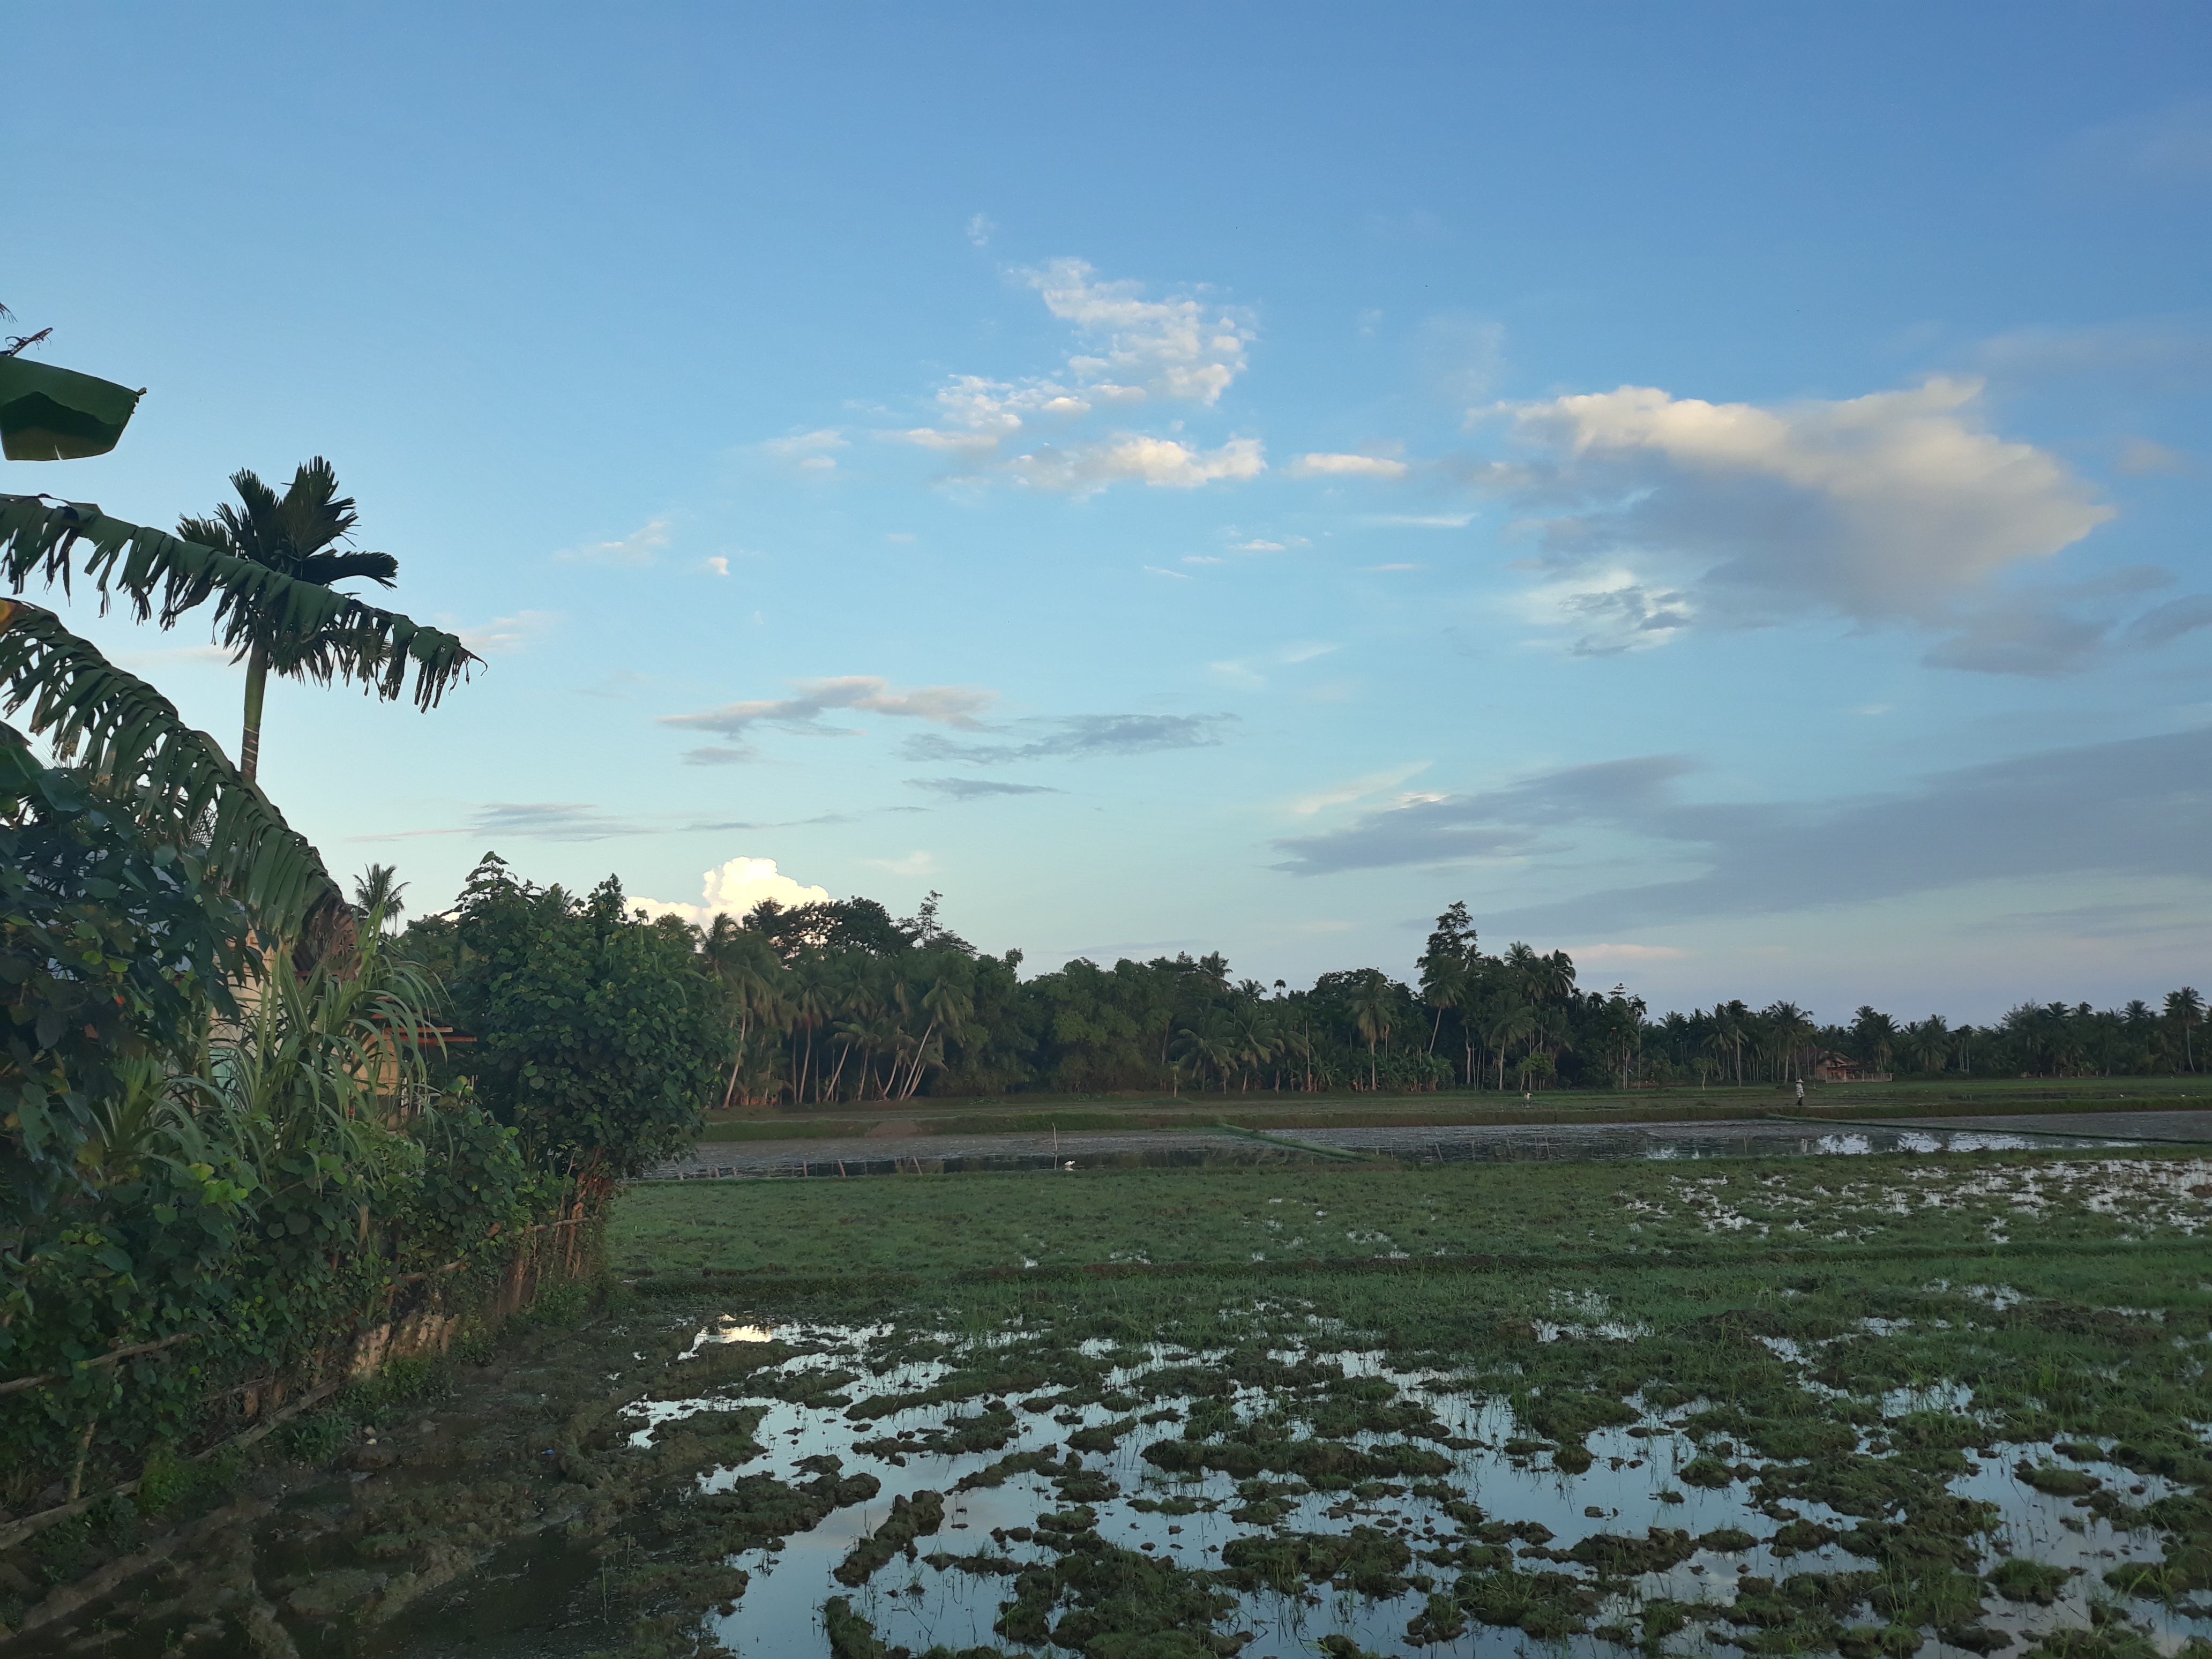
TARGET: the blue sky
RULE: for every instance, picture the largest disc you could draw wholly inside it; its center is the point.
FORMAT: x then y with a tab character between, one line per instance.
1718	488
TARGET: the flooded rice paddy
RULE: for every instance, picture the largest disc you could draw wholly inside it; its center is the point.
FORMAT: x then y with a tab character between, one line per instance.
1871	1405
1317	1501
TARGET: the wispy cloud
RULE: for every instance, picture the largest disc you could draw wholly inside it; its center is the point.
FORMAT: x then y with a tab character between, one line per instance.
1078	737
505	636
640	547
979	789
811	450
2130	807
913	864
1346	466
1359	788
552	821
981	229
802	715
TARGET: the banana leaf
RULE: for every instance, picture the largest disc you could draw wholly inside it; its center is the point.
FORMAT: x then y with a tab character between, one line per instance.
115	725
159	573
50	414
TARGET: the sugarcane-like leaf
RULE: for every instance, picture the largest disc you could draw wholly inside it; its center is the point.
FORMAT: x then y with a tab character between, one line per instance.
116	726
159	574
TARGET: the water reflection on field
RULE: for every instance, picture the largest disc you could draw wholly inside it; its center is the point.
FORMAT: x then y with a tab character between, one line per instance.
1707	1544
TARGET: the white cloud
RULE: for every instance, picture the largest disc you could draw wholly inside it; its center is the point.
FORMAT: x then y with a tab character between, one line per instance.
1895	506
1346	466
1134	351
639	548
1605	955
1256	546
1202	558
810	450
1131	458
718	565
1359	788
944	705
505	636
1373	569
1306	653
733	890
1426	520
1180	575
913	864
981	230
1177	348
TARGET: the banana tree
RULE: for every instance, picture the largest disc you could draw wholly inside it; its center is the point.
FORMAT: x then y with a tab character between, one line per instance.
269	568
115	726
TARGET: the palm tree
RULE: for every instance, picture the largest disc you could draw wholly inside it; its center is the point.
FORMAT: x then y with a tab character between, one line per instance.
297	535
376	893
1516	1024
2185	1008
1371	1005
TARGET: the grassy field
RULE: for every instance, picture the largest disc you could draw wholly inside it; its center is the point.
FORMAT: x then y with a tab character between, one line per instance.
1038	1114
961	1227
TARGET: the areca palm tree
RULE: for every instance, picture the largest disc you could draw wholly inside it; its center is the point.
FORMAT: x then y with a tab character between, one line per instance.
335	635
297	534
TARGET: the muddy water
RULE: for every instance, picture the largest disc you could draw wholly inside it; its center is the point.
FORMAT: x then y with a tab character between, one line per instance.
1633	1484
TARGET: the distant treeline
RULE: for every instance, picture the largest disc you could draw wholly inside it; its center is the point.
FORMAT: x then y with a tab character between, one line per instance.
842	1001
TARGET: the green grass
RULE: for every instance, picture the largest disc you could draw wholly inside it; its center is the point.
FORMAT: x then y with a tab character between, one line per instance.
1751	1209
1039	1115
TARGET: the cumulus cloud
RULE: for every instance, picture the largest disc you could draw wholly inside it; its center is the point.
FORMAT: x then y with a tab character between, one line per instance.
732	889
1131	352
1895	507
801	715
640	547
1131	458
2128	807
1346	466
1077	737
1180	348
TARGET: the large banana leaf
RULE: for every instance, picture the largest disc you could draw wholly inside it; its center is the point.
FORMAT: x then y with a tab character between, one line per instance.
50	414
157	572
115	725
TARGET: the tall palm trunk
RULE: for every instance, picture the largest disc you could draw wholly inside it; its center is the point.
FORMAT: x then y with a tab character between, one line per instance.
257	684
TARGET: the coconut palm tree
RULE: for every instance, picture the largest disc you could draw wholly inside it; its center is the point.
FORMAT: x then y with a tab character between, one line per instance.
1516	1024
376	893
1371	1003
2185	1008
